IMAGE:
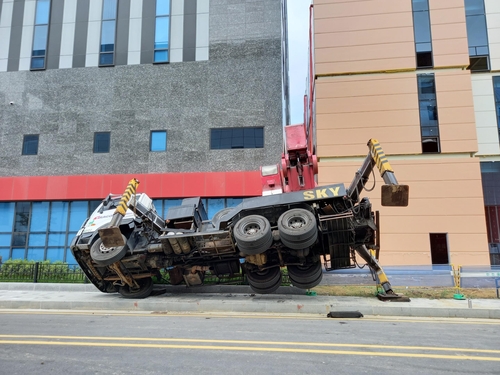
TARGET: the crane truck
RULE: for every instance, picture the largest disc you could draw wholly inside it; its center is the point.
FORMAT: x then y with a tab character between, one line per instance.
125	243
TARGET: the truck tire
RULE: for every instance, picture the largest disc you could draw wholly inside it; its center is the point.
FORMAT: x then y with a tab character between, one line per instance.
253	234
266	281
105	256
297	228
306	276
145	288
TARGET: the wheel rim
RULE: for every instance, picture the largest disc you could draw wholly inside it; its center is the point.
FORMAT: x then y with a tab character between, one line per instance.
251	228
296	222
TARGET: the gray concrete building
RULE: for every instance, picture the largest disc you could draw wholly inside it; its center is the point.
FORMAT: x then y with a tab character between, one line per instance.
186	95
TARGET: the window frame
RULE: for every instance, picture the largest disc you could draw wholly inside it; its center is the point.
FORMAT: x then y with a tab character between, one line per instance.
26	145
421	56
423	99
96	134
233	138
103	20
167	49
38	26
151	140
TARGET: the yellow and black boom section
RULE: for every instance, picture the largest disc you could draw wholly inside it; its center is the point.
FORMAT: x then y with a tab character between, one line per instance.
393	194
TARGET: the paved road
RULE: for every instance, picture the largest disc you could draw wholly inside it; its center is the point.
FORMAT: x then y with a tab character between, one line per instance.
98	343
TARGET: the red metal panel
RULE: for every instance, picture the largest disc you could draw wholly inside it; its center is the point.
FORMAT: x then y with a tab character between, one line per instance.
37	187
215	184
194	184
159	185
6	188
77	187
172	185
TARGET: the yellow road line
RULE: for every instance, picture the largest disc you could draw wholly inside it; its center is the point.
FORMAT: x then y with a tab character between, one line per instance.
252	349
250	342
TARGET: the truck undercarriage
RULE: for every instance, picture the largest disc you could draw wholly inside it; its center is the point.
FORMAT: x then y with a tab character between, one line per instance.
124	244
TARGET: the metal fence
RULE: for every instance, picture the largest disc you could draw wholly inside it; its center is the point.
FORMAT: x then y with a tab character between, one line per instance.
42	273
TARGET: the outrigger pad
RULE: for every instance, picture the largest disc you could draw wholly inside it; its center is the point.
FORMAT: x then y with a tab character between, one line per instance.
111	237
395	195
393	297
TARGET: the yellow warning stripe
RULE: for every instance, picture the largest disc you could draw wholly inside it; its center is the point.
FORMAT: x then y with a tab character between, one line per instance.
129	191
379	156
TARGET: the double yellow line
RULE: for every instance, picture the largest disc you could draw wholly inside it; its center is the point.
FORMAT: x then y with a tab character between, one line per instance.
254	346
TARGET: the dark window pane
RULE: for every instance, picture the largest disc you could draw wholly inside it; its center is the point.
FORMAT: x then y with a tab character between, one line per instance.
101	142
476	30
162	32
19	239
236	138
158	141
162	7
496	89
479	64
40	40
419	5
22	216
474	7
422	26
106	58
428	113
161	56
430	145
30	145
108	36
426	84
109	10
424	60
42	12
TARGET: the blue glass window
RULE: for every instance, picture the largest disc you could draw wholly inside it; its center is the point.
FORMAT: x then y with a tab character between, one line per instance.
422	32
477	35
35	253
214	205
429	125
57	239
5	239
37	239
231	138
39	216
18	253
40	34
101	142
108	33
162	31
56	254
158	203
58	217
7	210
30	144
4	254
78	214
158	141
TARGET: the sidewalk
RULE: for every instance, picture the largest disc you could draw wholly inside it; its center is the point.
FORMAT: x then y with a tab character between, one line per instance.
225	298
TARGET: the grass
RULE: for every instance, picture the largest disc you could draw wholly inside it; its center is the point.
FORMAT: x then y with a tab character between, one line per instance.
412	292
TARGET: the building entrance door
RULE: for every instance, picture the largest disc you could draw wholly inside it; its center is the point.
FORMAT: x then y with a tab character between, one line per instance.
439	248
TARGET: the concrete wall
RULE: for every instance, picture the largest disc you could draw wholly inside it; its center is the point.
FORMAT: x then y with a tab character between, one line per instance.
239	85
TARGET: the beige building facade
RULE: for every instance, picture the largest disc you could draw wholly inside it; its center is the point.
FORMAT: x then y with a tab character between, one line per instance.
413	75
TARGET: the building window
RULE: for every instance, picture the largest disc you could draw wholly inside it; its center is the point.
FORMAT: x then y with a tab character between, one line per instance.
40	35
101	142
422	32
108	33
162	31
477	35
496	90
429	125
230	138
158	140
30	144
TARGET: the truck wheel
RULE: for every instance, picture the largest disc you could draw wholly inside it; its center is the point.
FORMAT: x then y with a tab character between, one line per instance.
266	281
306	276
253	234
105	256
145	288
297	228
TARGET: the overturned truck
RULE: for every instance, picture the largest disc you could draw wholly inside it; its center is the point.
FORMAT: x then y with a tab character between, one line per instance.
125	243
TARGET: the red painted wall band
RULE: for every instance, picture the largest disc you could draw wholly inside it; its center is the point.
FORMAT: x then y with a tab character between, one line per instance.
161	185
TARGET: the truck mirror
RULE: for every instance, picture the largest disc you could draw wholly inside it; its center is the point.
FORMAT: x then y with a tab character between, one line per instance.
395	195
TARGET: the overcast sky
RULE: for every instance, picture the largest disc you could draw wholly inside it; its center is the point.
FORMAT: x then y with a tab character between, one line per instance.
298	41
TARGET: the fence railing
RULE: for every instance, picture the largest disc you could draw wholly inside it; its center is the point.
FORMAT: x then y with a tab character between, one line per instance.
71	273
42	273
